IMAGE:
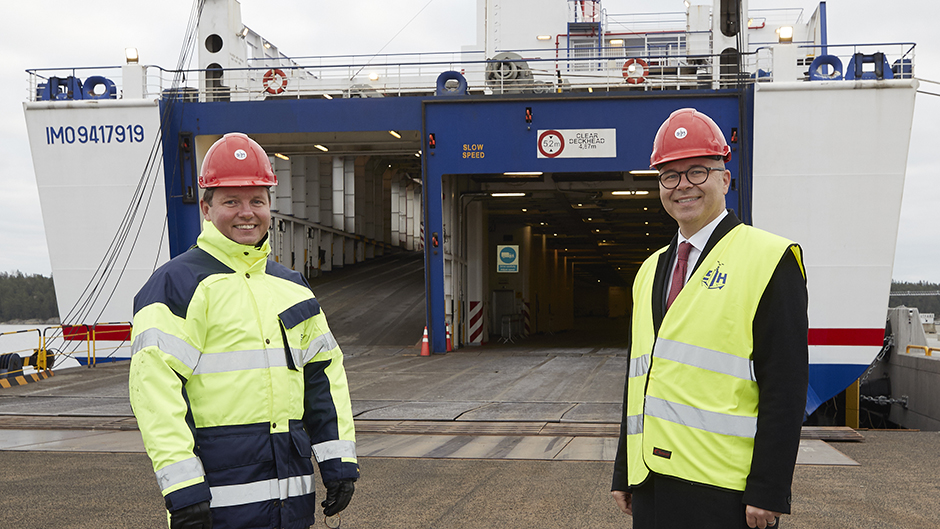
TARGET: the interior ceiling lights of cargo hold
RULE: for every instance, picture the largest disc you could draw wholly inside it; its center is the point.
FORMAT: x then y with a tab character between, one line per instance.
607	234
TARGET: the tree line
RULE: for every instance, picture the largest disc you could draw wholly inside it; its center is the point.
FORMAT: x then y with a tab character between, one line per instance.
26	297
927	303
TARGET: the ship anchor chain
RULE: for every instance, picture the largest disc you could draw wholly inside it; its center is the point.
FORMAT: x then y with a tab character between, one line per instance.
882	399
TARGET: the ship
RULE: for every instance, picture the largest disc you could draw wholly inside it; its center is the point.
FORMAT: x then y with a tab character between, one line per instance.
518	166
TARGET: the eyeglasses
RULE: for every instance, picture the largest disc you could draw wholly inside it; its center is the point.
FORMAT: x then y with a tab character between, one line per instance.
696	175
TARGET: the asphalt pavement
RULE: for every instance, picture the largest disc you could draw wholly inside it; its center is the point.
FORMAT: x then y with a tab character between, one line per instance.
70	455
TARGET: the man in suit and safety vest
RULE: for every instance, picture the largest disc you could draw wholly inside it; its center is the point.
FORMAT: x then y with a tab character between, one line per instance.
236	380
718	368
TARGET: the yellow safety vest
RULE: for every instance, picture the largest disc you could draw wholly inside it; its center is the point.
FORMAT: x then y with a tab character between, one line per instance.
692	395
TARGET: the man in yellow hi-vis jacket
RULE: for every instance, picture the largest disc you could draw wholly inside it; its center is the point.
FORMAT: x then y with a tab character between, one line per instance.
236	380
716	383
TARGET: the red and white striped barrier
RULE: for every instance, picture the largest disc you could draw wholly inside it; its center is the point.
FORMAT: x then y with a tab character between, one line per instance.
525	319
476	322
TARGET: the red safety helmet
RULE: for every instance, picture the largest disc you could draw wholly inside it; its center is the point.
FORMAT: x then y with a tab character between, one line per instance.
236	161
688	133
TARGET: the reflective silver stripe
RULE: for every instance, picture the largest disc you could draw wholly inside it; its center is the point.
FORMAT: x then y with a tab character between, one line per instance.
324	342
708	421
179	472
240	360
634	424
271	489
709	359
334	450
169	344
639	366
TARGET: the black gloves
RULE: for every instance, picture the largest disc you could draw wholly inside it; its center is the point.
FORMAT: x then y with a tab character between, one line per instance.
338	494
193	517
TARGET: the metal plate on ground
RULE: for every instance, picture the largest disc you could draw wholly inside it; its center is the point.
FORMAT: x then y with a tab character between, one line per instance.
831	433
817	452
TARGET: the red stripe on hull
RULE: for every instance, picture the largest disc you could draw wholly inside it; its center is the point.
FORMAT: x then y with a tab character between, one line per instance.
872	337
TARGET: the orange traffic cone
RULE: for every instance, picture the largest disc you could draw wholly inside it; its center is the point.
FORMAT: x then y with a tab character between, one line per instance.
425	348
449	344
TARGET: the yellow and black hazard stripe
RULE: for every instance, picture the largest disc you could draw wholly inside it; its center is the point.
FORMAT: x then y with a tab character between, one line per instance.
22	380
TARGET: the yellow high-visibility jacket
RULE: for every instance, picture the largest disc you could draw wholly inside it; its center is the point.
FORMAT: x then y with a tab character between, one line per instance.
228	411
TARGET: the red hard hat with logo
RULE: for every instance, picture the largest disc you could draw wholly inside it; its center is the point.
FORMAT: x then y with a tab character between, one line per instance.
236	161
688	133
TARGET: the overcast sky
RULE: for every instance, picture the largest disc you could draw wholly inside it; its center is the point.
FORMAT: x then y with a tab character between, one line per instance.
71	34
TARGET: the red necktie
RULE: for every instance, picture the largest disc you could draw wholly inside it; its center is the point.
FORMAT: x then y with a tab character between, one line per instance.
678	275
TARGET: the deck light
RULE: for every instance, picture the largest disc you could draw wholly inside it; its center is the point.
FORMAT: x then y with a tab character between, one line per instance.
131	55
645	172
616	42
544	37
523	173
393	133
244	32
327	96
640	192
281	156
267	45
507	194
373	76
785	33
322	148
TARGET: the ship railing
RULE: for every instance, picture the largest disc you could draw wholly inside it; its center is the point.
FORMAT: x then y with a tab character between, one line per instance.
928	351
664	71
86	340
16	362
669	65
639	23
897	62
56	342
287	230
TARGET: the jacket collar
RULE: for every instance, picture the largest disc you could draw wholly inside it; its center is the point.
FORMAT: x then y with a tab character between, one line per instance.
238	257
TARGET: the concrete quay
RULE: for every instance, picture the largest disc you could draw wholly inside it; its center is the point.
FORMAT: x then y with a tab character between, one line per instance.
515	436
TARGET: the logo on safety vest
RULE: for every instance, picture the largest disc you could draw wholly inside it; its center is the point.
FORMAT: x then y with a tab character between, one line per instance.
714	279
662	453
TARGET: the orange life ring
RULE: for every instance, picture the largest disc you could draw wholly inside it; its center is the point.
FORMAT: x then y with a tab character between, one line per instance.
630	71
275	81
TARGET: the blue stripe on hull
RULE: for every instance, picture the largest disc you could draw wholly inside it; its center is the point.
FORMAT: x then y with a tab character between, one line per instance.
828	380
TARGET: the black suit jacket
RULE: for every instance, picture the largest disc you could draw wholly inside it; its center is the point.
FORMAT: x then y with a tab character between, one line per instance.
781	357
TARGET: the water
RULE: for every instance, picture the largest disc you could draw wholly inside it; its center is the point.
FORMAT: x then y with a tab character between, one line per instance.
67	353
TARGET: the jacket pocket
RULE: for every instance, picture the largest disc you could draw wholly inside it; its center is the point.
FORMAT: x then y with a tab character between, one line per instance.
300	439
225	447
